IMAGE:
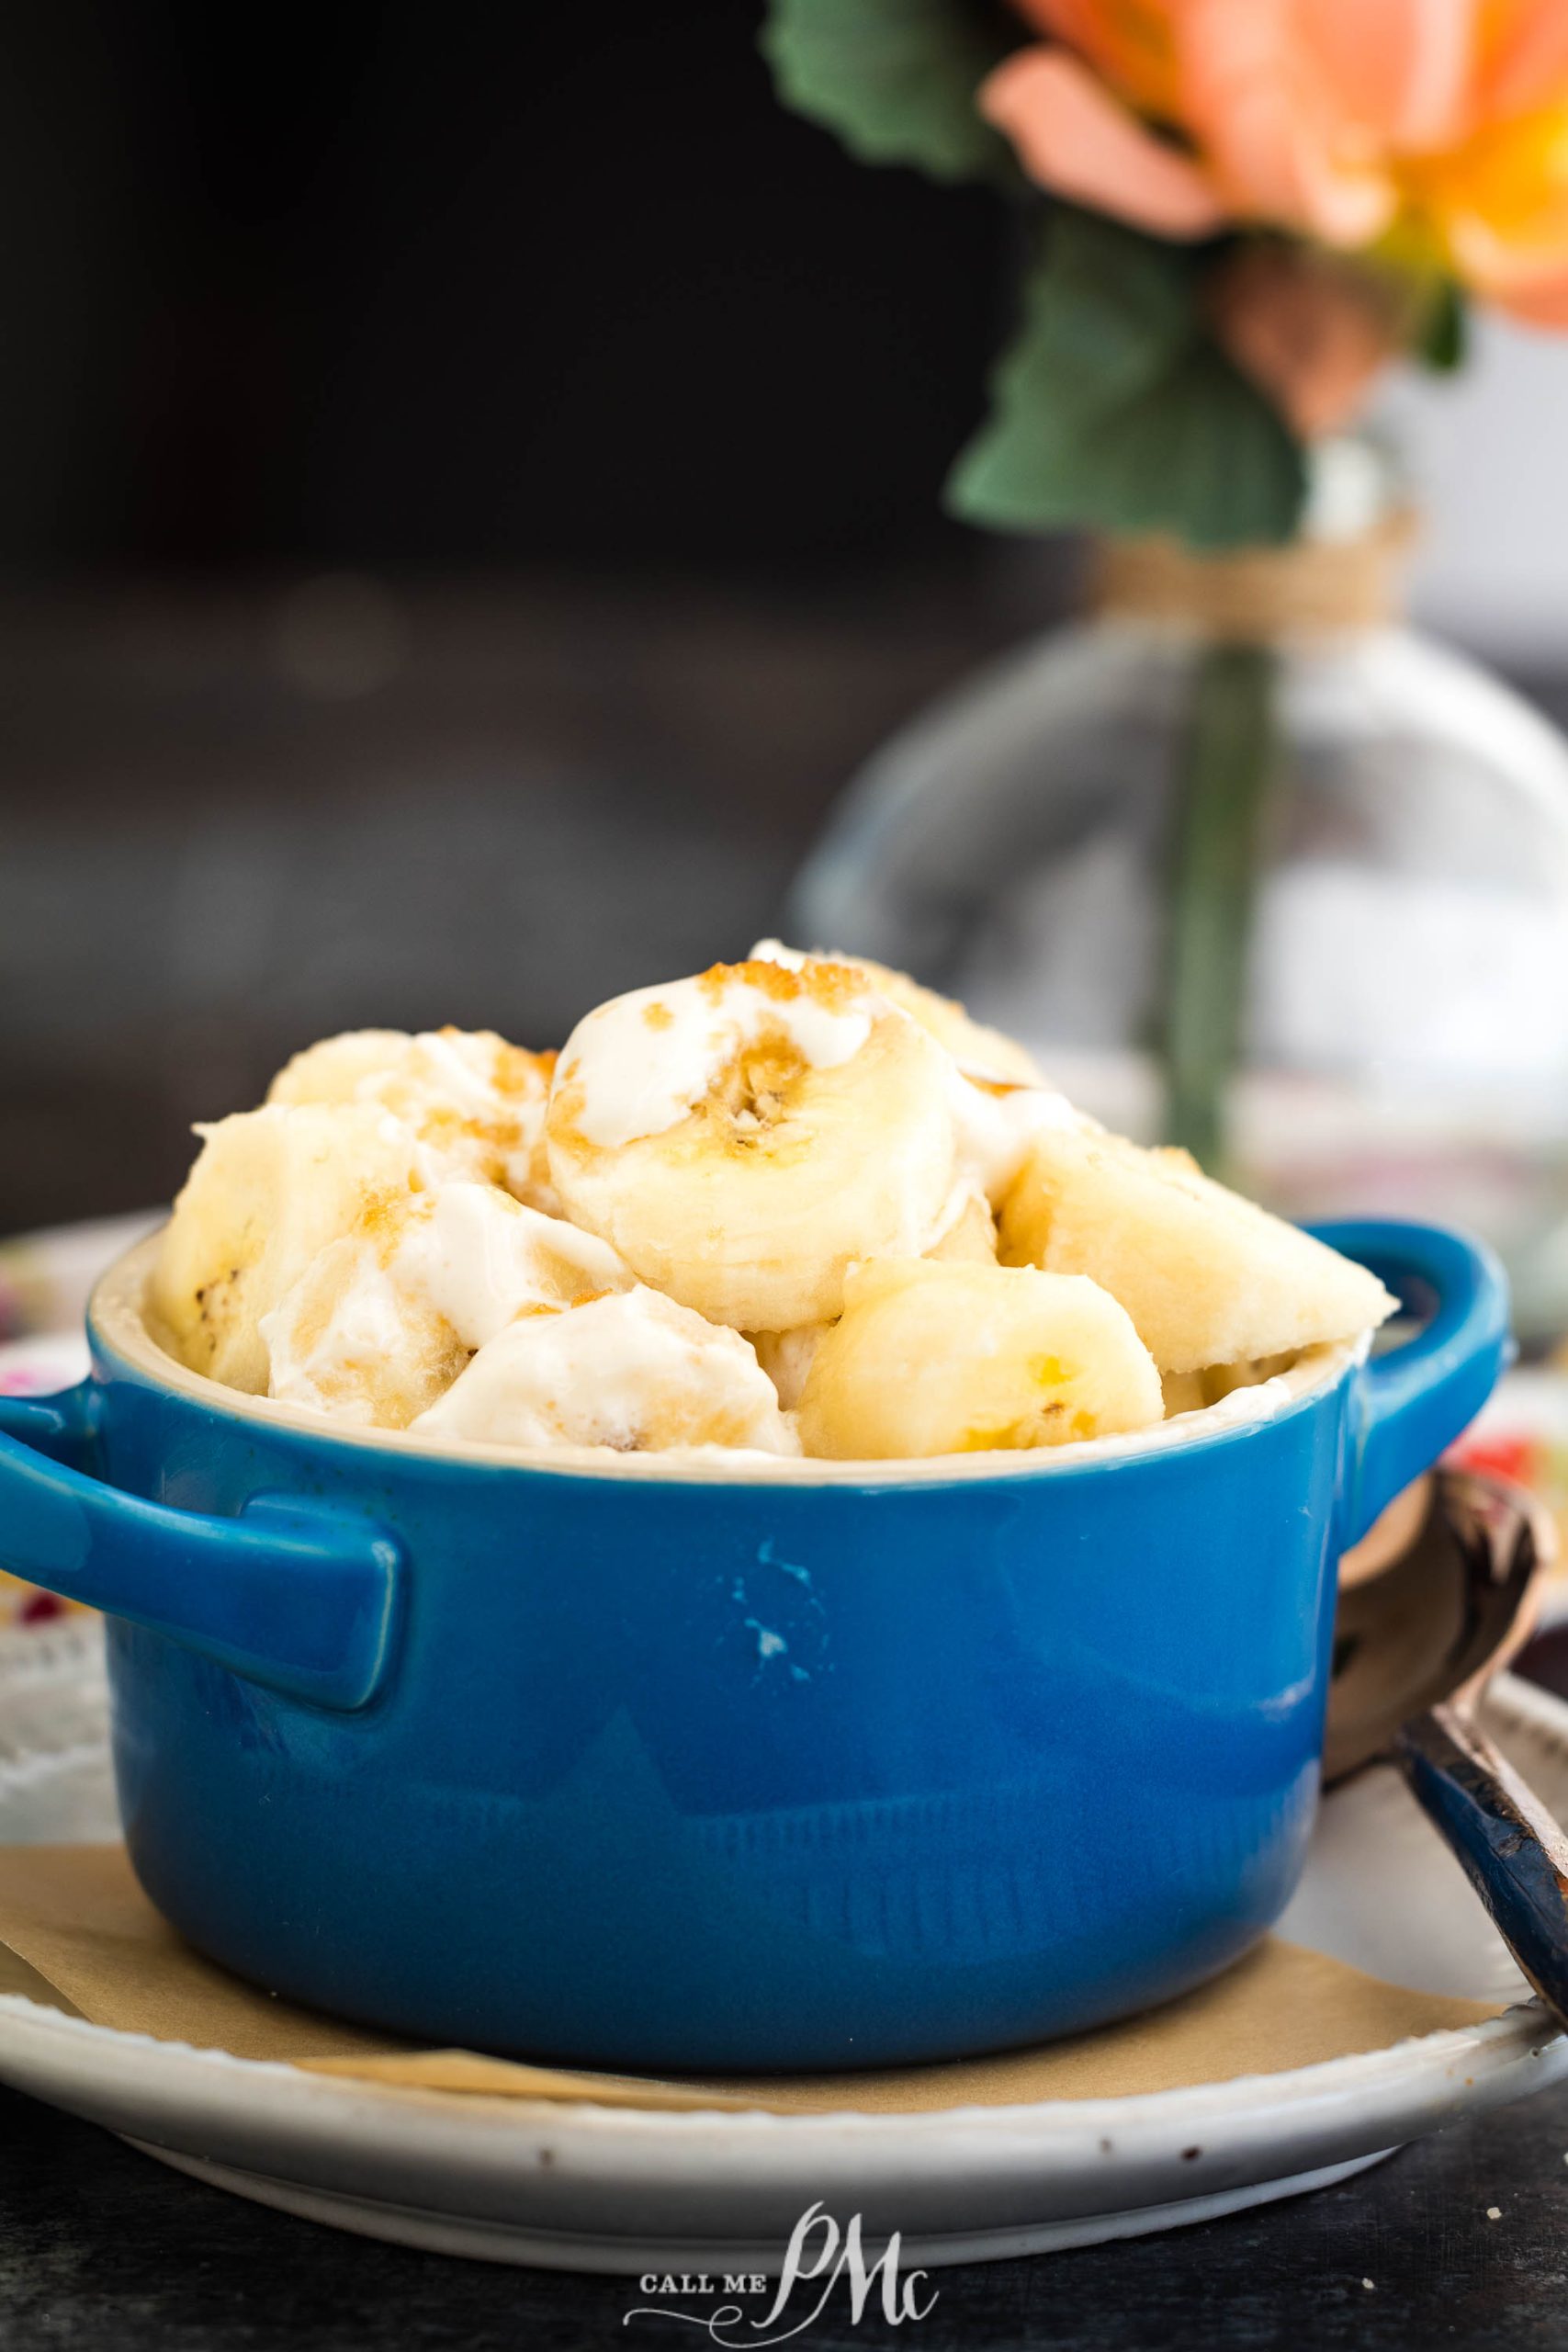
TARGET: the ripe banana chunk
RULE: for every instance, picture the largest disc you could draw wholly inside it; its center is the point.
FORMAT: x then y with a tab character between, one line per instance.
743	1137
476	1102
1208	1278
384	1320
955	1358
270	1189
634	1371
982	1051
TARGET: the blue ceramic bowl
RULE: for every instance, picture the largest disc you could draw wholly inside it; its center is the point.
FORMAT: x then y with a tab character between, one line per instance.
650	1765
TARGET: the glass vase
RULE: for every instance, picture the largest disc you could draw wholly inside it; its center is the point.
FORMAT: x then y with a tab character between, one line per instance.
1254	867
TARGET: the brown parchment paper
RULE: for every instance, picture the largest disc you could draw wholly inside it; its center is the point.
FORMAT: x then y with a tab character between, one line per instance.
78	1935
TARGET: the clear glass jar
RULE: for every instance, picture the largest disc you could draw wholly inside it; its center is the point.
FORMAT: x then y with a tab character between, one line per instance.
1400	948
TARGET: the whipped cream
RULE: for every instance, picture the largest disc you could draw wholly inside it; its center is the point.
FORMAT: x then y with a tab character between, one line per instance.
632	1371
774	951
478	1257
381	1321
642	1061
996	1124
348	1340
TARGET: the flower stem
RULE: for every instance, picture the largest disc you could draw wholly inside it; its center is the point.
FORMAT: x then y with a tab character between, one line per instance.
1227	762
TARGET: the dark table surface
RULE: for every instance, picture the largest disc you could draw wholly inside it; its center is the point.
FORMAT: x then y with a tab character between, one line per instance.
102	2248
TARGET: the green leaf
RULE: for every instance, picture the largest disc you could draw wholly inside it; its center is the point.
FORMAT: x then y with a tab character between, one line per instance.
895	79
1114	409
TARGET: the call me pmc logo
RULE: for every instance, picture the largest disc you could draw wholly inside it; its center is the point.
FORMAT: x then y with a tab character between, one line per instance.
819	2255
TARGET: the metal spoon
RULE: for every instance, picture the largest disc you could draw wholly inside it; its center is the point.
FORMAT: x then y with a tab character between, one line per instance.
1414	1644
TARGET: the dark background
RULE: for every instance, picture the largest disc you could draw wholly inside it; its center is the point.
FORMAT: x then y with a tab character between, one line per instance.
469	496
387	283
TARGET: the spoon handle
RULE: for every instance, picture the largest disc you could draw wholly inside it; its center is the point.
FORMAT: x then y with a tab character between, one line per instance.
1513	1853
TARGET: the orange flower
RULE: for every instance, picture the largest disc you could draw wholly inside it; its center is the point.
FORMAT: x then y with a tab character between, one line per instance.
1432	128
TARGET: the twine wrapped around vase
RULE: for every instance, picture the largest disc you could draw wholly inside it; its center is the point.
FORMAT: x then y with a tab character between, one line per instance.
1259	596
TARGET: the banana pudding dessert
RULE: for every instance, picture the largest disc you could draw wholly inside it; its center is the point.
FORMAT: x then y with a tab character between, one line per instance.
798	1205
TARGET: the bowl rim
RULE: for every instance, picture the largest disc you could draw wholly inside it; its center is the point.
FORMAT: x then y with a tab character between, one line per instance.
119	1331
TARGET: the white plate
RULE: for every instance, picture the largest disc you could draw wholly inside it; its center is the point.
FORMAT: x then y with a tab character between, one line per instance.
587	2188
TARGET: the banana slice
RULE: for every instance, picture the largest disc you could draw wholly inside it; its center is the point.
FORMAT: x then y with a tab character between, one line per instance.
635	1371
476	1102
999	1100
932	1358
384	1320
967	1236
982	1051
1207	1277
743	1137
270	1189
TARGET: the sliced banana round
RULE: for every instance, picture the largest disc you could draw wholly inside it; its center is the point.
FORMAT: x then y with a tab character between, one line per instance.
634	1371
476	1102
998	1099
270	1189
1209	1278
382	1322
743	1137
983	1051
935	1358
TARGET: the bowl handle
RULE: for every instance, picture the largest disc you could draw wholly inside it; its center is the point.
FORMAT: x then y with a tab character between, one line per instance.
1407	1406
299	1595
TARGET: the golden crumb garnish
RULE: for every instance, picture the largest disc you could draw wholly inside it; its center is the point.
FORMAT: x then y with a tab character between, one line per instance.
569	1103
659	1017
835	987
381	1219
517	1071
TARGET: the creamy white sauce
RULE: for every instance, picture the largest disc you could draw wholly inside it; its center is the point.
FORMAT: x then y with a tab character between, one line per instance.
466	1261
774	951
459	1071
640	1075
995	1131
368	1325
478	1258
628	1371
